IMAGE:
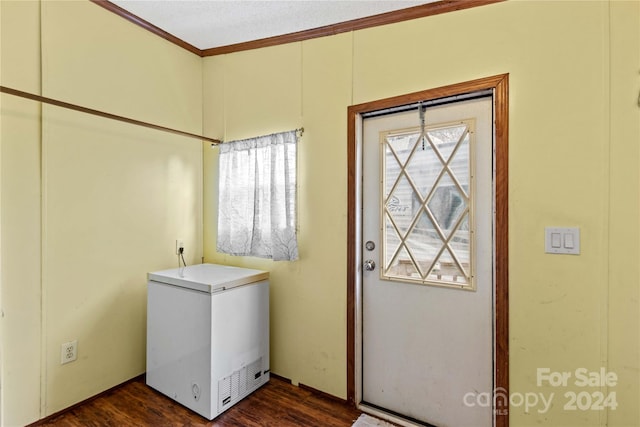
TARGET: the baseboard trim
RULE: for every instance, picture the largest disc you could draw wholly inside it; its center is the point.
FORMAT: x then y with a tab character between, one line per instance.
324	395
55	415
279	377
312	390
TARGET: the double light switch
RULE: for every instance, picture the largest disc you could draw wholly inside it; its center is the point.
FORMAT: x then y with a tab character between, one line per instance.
562	240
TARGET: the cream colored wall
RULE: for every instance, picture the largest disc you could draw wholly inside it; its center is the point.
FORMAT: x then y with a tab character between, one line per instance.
115	197
20	215
573	162
623	294
282	88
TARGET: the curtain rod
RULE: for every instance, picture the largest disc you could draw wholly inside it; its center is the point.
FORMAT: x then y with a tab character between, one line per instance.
299	131
98	113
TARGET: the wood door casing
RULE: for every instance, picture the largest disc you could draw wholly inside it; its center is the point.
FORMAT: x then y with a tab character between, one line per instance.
500	86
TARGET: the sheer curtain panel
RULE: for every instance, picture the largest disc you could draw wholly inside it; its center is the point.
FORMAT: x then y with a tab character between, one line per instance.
257	197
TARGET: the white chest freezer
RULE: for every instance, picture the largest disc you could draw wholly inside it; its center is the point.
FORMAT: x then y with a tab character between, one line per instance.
208	335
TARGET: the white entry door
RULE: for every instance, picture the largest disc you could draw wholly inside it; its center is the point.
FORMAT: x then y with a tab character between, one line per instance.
427	278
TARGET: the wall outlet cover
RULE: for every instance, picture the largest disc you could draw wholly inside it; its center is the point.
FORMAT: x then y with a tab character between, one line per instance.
68	352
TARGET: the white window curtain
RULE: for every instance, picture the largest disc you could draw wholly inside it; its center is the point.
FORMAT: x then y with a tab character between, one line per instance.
257	197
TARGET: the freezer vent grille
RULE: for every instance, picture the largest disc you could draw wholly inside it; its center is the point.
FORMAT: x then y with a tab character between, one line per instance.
224	392
234	387
242	386
254	374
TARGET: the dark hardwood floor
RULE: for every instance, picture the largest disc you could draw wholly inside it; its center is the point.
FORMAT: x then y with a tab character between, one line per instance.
276	404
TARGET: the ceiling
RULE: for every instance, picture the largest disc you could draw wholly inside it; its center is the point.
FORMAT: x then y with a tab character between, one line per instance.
209	24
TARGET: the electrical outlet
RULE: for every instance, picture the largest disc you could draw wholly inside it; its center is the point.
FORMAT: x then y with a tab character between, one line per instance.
68	352
179	244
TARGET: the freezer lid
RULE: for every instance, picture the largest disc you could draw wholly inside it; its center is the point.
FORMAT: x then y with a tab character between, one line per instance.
209	277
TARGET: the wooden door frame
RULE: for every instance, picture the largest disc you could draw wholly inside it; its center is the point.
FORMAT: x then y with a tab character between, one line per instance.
500	86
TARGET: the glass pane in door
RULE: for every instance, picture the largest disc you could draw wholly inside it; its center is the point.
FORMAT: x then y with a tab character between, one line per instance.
427	202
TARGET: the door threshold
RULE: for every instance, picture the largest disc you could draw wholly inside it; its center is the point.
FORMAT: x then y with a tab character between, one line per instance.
390	416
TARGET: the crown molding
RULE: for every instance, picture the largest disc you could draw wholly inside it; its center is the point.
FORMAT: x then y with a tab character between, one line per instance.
112	7
415	12
421	11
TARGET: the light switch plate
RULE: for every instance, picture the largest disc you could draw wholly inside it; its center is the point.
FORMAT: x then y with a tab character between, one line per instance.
562	240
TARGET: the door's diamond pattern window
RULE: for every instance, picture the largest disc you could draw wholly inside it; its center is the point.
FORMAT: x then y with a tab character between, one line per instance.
400	202
446	203
445	139
427	204
401	145
423	179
